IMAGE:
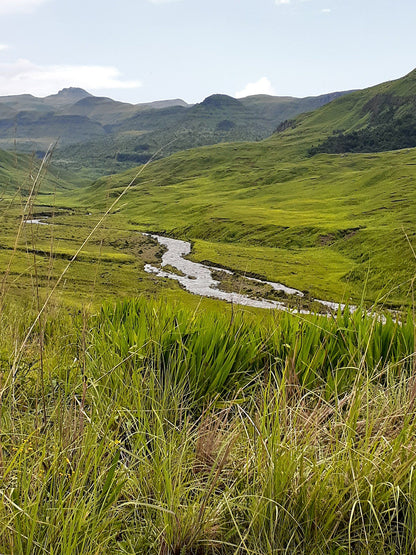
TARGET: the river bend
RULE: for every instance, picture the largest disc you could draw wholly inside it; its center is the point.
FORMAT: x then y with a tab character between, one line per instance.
198	279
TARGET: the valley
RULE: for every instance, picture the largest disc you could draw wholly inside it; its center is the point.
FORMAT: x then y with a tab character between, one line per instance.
338	227
212	352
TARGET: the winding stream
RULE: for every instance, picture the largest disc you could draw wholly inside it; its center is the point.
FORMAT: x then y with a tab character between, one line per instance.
197	279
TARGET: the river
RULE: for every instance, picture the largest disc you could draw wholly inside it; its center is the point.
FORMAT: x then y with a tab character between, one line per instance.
198	279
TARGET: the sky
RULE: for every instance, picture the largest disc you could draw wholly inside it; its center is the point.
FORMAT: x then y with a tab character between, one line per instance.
144	50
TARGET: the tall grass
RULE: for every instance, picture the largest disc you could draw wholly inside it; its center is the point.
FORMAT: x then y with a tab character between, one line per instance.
211	353
178	432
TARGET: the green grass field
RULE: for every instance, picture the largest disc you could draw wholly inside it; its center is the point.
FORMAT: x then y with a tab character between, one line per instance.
152	428
137	418
338	226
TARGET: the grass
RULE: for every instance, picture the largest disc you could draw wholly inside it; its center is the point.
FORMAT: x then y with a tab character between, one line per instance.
175	431
326	225
181	426
340	227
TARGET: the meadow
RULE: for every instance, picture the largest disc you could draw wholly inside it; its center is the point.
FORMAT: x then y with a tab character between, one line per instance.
137	418
181	425
340	227
336	226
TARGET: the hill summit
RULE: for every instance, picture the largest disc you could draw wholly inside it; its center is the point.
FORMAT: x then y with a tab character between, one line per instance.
221	101
68	95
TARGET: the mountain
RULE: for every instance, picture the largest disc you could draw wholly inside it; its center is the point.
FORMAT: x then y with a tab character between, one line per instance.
66	97
336	225
282	108
107	112
105	136
29	103
377	119
72	116
135	138
12	105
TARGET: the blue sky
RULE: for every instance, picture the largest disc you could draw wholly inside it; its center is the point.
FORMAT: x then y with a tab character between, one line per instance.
143	50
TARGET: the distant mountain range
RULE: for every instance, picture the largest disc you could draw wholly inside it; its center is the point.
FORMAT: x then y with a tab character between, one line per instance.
107	136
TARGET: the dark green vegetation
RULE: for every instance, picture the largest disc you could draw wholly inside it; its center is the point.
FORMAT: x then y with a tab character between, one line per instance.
384	119
101	135
149	428
395	134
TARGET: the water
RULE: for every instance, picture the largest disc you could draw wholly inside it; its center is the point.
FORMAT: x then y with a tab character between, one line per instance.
197	279
38	222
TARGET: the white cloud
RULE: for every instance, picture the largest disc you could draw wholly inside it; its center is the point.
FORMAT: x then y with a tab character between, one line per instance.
280	2
326	10
19	6
262	86
4	47
24	76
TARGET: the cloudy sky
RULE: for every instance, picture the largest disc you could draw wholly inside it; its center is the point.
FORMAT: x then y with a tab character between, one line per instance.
142	50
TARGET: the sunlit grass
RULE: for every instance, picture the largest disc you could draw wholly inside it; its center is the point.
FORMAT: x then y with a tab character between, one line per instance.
176	431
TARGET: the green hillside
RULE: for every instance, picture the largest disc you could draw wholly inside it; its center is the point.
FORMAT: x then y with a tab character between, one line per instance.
374	120
336	225
18	172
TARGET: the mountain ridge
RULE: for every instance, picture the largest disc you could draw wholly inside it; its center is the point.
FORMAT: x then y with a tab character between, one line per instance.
134	137
376	119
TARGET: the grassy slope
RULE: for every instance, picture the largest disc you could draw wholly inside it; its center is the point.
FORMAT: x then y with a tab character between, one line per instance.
18	172
359	110
35	255
317	224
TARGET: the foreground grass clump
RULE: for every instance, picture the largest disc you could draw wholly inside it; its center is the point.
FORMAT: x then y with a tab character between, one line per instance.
160	430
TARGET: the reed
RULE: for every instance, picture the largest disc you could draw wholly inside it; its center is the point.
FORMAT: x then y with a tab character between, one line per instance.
172	431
